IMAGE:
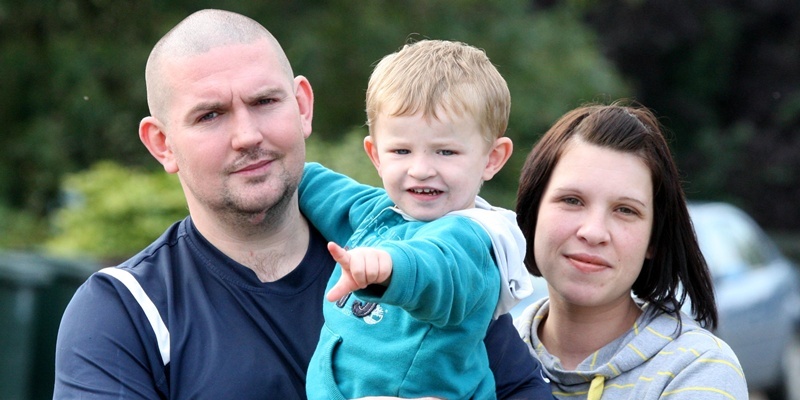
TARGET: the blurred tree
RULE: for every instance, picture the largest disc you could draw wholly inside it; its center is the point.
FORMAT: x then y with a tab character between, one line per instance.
73	87
111	212
725	74
549	58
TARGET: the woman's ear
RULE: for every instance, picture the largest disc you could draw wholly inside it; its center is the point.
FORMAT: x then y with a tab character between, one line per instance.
151	133
498	156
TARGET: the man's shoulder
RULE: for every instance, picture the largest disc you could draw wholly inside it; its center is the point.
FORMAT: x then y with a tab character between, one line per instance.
174	239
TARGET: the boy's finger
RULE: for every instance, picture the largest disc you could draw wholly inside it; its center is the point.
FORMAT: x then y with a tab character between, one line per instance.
338	253
344	286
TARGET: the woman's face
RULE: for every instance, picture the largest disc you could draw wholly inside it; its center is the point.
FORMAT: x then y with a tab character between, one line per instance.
594	226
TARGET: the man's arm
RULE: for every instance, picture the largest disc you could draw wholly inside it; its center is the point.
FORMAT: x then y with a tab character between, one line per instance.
516	373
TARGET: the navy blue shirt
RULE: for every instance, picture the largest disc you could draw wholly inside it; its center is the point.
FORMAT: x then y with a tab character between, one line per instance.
181	320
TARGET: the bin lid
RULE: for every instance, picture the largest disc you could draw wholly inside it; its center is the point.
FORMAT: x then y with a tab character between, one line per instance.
24	269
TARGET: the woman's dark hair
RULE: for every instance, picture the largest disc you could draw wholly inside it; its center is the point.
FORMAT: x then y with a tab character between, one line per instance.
676	261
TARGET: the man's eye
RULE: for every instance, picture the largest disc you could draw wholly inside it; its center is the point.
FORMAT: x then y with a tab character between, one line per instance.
265	101
209	116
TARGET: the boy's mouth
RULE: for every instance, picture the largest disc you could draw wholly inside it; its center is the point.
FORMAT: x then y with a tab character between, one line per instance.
425	191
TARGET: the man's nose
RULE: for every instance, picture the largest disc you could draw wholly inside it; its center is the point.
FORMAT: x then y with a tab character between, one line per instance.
246	131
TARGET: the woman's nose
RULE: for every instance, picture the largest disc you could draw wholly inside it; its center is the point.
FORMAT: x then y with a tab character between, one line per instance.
594	228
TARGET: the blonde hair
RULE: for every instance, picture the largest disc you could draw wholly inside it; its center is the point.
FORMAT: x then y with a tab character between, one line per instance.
431	75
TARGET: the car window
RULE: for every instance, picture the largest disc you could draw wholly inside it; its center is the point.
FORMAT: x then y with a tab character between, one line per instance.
729	240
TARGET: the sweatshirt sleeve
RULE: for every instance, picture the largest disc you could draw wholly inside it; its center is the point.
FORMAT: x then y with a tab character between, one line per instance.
334	203
715	374
443	274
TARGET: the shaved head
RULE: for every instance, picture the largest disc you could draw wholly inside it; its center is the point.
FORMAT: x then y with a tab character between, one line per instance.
197	34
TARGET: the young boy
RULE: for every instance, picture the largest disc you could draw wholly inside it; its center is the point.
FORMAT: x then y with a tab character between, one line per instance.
426	259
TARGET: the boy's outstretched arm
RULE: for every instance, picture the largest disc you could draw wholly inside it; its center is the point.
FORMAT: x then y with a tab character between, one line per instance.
361	267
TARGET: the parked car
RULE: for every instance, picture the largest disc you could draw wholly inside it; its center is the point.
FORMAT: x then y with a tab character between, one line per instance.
758	297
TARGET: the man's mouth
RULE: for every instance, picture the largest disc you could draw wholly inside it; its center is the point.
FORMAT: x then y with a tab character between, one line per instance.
253	166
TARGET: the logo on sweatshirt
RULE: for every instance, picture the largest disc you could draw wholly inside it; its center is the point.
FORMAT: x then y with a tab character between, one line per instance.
371	313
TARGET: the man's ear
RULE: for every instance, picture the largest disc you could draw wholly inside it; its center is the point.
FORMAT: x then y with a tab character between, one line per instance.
498	156
372	151
151	133
305	103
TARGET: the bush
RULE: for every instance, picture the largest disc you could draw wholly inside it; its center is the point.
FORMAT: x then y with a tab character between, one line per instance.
21	230
111	212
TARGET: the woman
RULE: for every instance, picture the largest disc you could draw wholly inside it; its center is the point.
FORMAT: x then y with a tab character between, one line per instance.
601	206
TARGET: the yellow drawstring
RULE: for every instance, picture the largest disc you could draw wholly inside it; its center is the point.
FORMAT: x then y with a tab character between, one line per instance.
596	388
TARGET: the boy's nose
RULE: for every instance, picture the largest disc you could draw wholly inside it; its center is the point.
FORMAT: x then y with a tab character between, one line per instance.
421	169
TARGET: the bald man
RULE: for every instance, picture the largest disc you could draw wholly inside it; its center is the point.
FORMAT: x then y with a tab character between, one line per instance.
227	302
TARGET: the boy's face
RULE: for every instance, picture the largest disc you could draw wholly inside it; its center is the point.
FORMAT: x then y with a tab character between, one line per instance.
431	166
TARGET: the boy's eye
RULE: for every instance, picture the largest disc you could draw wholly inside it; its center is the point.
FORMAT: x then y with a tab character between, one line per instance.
400	151
447	152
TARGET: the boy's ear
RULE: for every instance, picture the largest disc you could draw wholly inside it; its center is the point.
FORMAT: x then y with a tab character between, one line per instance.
498	156
372	151
151	133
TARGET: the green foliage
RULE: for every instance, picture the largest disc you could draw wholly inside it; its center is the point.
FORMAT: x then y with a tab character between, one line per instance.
346	156
111	211
21	230
724	77
73	76
549	59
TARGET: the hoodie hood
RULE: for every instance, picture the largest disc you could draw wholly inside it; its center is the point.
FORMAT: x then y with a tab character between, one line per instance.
629	357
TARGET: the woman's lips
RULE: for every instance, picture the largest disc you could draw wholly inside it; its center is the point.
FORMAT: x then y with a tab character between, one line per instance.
588	263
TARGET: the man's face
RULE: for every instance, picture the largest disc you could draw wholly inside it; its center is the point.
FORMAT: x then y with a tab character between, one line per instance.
236	129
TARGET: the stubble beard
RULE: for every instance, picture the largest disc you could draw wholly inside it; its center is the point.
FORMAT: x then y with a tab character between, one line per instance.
270	213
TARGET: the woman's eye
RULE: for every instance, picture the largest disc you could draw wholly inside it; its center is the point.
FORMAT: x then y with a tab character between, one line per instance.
571	201
628	211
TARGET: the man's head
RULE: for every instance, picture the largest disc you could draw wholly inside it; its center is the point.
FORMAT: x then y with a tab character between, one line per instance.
434	76
227	117
197	34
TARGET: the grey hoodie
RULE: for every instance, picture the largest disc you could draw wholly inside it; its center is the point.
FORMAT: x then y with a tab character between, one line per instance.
650	361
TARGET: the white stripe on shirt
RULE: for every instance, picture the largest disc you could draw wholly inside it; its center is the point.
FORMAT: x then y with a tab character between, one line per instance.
149	309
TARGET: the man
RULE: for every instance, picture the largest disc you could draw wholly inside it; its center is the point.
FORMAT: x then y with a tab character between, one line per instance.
226	303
